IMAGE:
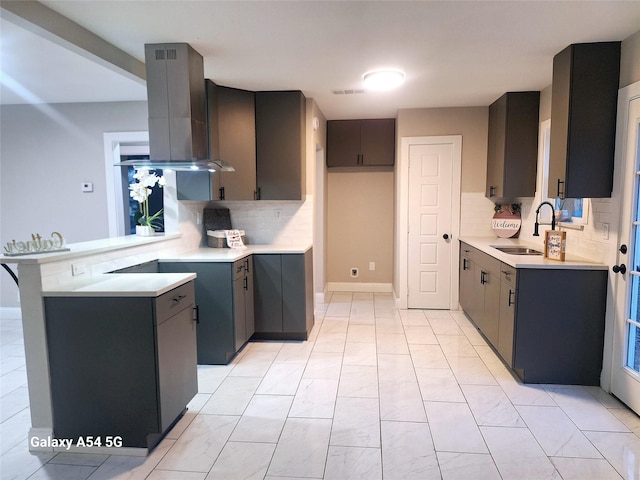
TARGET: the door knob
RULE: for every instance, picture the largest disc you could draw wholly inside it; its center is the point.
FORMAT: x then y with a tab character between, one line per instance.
445	236
622	268
623	249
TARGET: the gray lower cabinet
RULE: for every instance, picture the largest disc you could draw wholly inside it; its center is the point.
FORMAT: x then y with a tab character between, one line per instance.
547	324
507	313
224	295
283	295
480	289
121	367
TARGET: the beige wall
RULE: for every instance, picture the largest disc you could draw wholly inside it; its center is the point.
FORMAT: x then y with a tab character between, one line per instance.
360	226
470	122
630	60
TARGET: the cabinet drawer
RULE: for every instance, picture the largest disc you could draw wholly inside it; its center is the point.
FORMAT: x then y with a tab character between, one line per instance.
508	275
174	301
469	252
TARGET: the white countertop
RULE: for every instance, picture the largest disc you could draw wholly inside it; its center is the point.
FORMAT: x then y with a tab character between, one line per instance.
90	248
485	244
206	254
155	284
122	285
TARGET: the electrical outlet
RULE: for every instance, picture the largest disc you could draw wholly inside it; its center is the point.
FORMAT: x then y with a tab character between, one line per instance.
354	272
78	269
277	214
605	231
372	266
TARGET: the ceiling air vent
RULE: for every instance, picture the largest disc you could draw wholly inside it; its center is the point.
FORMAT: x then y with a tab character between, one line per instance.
347	91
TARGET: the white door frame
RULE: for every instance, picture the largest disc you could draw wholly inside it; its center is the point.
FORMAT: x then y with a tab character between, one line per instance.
625	96
403	213
112	148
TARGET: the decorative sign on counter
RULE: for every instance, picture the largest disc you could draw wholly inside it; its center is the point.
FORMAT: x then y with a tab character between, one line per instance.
37	244
555	244
234	238
506	221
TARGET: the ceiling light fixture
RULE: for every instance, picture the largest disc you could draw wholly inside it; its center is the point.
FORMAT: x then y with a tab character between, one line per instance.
383	79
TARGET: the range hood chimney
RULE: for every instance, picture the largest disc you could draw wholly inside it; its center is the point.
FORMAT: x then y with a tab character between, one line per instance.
177	110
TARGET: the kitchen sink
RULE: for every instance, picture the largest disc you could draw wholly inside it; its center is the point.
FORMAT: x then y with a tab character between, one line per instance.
514	250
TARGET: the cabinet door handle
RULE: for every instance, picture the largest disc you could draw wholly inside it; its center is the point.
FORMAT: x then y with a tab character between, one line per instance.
492	191
560	191
465	266
196	314
178	298
256	194
483	277
511	302
246	264
246	283
221	193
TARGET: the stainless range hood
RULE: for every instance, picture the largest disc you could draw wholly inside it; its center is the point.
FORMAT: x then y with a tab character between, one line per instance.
176	97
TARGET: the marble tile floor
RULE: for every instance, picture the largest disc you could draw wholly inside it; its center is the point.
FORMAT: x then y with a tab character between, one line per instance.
376	393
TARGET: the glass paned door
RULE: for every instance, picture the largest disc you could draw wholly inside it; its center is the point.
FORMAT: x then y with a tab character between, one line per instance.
625	280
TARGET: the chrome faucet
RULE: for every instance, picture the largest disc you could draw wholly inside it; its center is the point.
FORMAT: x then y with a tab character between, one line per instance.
553	219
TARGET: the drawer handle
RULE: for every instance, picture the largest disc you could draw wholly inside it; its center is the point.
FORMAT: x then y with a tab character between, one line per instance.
560	190
178	298
511	302
506	273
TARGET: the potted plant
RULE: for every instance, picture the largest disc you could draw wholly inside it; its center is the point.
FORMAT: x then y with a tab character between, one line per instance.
140	191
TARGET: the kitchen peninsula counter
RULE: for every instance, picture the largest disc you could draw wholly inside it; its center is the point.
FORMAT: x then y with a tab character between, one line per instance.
122	285
92	247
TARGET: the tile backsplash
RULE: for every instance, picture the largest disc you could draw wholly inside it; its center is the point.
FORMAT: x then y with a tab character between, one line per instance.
274	222
477	211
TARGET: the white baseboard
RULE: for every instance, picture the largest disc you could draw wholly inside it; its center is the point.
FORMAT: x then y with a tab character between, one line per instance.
359	287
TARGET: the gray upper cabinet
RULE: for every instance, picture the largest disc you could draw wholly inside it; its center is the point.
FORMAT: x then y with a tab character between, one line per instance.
237	138
232	138
280	145
583	120
512	154
360	143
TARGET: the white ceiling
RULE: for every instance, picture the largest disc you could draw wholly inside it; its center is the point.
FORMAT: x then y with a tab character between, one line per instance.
454	53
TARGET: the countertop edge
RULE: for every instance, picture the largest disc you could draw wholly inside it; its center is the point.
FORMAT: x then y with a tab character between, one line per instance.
90	247
122	285
207	254
484	244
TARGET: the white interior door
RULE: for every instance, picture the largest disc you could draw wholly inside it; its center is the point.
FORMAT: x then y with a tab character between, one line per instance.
625	373
430	234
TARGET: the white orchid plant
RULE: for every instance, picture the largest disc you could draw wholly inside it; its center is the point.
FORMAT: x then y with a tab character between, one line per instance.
140	191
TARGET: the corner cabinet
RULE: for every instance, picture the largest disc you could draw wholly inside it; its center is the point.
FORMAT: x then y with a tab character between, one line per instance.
121	367
224	294
361	143
283	296
583	120
547	324
280	145
512	154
